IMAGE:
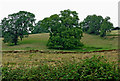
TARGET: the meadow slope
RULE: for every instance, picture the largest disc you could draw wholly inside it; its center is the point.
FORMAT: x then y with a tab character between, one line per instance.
39	41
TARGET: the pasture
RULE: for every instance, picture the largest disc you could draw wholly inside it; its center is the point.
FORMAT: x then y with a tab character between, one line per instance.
34	59
36	66
39	41
113	33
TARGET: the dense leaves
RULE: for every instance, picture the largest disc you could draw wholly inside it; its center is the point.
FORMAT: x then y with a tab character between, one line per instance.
65	32
105	27
97	25
98	67
39	29
94	68
91	24
16	26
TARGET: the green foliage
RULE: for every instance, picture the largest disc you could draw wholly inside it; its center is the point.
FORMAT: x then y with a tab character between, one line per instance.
106	26
91	24
98	67
94	24
65	32
94	68
9	38
66	39
17	25
39	29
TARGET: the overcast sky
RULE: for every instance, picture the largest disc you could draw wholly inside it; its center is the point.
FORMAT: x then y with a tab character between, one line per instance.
45	8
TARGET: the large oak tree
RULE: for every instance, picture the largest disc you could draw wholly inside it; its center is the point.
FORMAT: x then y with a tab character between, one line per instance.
65	32
17	25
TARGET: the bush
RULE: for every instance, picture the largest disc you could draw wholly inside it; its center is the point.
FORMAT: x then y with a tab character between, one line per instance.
98	67
93	68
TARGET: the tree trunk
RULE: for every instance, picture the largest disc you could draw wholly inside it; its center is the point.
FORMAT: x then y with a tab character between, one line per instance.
15	43
16	39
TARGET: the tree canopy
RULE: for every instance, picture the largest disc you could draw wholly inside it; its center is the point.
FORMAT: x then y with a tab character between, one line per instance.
105	26
91	24
17	25
65	32
97	25
38	29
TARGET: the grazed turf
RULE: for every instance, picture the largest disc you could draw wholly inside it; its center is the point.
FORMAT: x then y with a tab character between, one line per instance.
39	41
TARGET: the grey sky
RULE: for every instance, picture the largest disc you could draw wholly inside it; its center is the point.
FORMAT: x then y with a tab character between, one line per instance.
45	8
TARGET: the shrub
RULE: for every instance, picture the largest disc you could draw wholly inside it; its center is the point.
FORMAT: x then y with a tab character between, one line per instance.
94	68
98	67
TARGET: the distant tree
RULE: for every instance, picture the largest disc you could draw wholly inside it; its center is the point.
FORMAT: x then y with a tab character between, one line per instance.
39	29
116	28
97	25
106	26
51	23
91	24
65	32
17	25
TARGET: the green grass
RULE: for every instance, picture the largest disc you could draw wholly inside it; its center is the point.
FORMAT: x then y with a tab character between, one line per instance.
60	66
39	41
35	41
113	33
100	43
64	66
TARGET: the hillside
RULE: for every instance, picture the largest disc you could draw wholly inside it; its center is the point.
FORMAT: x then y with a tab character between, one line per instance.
39	41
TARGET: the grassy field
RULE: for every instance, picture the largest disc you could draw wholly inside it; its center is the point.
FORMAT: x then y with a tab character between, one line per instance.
113	33
39	41
60	66
34	59
34	41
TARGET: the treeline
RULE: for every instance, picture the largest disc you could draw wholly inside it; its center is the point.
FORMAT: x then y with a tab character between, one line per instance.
92	24
64	28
